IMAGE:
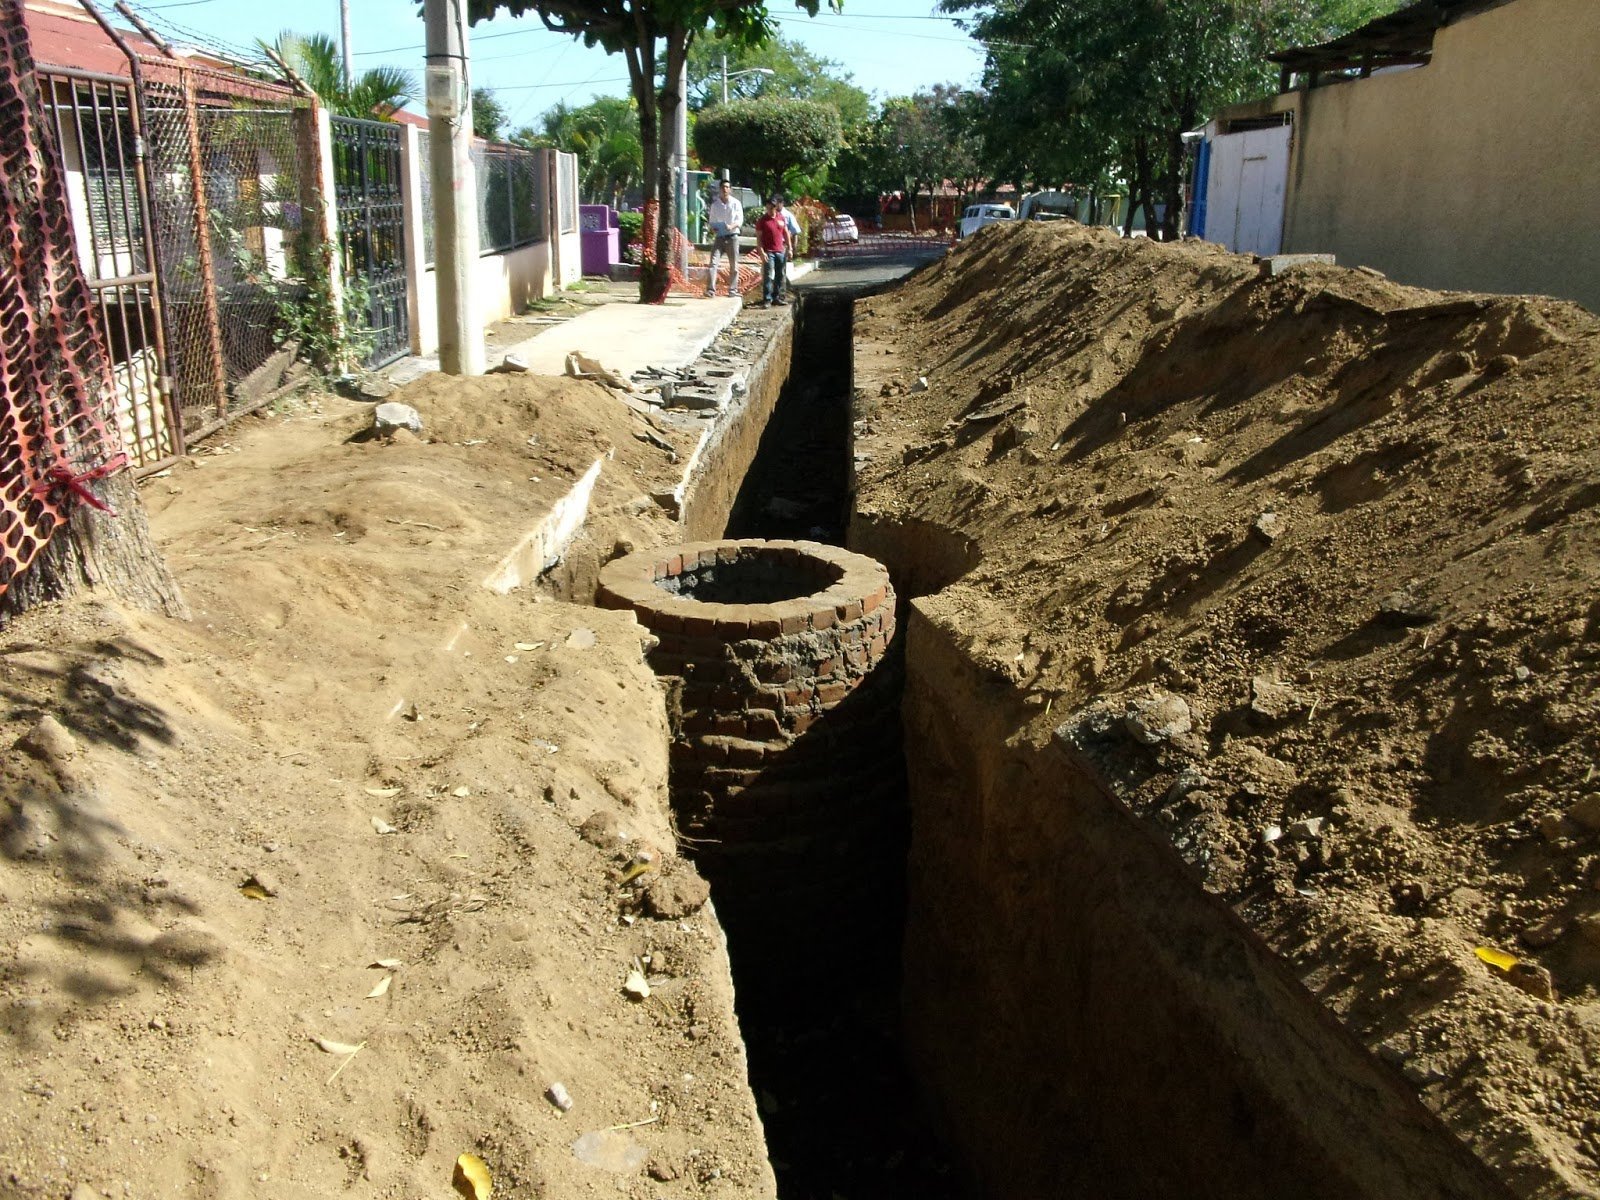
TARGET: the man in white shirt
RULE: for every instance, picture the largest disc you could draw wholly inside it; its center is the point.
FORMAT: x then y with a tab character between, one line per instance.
726	216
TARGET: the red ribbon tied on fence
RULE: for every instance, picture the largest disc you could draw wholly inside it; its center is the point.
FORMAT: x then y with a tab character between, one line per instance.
61	476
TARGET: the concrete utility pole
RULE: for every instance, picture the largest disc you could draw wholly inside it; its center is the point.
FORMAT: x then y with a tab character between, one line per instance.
680	165
453	183
344	44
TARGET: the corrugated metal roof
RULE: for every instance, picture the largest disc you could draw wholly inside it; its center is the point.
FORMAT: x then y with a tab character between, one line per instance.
1401	38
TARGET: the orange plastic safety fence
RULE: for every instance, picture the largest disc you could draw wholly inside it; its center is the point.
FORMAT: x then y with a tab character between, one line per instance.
683	252
54	371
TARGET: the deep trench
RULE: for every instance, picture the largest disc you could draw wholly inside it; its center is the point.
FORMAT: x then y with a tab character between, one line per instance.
818	992
1086	1020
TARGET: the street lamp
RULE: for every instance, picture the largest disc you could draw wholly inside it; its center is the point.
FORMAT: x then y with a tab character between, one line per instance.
736	75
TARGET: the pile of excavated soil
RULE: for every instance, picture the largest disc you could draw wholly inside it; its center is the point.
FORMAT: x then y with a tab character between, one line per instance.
319	891
1310	564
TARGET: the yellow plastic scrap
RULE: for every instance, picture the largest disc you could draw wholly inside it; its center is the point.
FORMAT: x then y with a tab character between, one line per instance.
633	872
472	1178
1498	959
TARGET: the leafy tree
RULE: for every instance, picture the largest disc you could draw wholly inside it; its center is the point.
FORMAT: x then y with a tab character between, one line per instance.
1124	78
867	166
378	92
797	74
925	135
654	37
605	136
767	139
488	114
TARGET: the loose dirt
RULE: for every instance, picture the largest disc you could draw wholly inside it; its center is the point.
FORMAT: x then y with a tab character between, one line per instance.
361	802
1309	565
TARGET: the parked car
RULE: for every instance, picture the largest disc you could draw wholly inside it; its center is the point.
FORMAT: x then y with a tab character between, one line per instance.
841	228
977	216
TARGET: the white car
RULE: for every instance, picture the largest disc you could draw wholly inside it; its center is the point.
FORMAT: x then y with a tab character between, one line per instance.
977	216
841	228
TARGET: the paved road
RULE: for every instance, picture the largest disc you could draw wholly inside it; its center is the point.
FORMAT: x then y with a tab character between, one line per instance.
866	273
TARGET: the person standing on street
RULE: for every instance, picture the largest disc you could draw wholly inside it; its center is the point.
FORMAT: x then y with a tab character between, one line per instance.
793	227
772	236
726	215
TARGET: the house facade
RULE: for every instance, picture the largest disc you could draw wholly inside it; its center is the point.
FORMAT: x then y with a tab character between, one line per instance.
1451	145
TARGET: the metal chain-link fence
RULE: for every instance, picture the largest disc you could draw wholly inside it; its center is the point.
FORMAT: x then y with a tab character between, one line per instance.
230	164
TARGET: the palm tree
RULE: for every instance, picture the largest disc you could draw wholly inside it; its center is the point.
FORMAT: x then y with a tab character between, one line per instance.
377	92
604	134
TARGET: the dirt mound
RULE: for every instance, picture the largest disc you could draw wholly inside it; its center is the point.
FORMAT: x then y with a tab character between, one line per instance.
361	803
1309	563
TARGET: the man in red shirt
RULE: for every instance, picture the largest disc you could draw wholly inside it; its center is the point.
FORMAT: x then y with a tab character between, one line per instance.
772	236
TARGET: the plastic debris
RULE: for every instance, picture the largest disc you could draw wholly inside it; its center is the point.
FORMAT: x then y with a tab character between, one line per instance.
1498	959
471	1178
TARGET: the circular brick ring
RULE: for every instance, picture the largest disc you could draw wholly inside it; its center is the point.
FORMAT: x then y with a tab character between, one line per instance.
767	636
783	729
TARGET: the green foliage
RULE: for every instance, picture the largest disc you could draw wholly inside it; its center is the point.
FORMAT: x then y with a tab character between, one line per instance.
654	38
604	135
1097	89
632	226
796	74
488	114
766	139
378	92
331	340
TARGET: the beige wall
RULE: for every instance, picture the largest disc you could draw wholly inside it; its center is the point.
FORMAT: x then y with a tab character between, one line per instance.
505	284
1480	171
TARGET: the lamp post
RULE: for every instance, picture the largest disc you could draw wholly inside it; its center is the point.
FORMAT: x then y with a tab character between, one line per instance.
735	75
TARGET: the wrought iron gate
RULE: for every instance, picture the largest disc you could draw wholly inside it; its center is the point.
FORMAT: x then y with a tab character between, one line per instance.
368	185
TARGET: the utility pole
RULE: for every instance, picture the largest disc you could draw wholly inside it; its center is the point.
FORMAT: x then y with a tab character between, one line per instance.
725	176
344	44
453	183
680	165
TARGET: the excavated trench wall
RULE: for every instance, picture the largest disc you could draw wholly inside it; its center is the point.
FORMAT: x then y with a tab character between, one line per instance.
1085	1018
720	466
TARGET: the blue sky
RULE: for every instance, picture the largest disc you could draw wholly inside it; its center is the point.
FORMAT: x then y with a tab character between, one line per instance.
890	47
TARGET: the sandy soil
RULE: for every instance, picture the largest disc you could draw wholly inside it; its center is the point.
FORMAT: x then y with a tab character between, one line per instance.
356	755
1310	565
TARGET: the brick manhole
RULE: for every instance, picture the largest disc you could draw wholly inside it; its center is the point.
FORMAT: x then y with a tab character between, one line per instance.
783	701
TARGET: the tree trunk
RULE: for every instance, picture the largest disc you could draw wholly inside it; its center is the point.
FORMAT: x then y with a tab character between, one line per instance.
95	549
1177	161
54	358
655	285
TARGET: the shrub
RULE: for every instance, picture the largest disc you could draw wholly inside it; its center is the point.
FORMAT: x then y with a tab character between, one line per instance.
764	139
632	226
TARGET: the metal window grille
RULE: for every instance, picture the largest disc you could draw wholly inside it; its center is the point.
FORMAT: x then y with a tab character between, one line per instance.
97	132
511	199
567	173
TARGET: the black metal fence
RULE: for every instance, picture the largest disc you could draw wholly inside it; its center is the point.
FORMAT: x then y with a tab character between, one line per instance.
369	187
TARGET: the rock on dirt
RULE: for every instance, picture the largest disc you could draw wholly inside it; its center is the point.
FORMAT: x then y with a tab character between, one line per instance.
677	892
1153	720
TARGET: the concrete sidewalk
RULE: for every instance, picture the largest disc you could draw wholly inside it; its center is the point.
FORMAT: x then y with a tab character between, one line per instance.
623	335
629	337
